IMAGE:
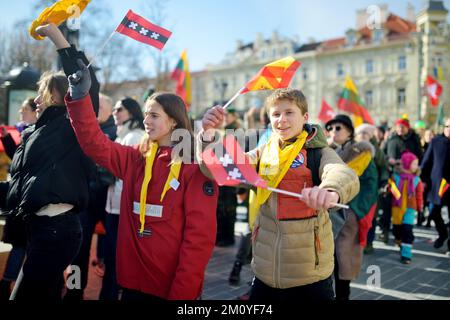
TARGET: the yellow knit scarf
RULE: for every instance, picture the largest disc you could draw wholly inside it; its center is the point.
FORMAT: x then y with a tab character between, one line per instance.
174	172
275	162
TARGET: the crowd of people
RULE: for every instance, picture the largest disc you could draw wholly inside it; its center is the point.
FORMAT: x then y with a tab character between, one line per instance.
86	163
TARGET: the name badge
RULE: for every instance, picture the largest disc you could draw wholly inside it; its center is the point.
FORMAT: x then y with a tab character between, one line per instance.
151	210
174	184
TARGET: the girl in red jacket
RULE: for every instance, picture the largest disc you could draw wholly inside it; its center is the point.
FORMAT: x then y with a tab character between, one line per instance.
167	224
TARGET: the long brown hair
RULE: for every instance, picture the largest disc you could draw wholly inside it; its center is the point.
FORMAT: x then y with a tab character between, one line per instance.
49	81
175	108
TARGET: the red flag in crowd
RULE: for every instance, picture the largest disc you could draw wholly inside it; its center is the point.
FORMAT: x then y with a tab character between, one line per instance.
15	134
326	112
230	166
140	29
434	90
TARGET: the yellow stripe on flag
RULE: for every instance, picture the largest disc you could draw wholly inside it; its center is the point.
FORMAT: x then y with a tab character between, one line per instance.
394	190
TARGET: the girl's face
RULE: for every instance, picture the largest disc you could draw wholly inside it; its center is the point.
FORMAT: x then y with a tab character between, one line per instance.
158	125
414	166
41	105
287	119
120	114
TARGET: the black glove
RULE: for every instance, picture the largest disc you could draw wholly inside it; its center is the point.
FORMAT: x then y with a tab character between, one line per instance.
79	82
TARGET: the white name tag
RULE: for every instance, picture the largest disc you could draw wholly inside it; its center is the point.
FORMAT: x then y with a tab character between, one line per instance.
151	210
174	184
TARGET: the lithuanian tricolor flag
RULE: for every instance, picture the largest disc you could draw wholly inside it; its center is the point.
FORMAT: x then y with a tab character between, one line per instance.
443	187
394	190
351	102
183	77
275	75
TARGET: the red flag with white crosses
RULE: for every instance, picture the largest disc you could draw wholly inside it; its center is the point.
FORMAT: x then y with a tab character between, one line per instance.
140	29
230	166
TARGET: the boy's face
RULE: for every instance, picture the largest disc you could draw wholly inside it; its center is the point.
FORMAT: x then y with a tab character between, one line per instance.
287	119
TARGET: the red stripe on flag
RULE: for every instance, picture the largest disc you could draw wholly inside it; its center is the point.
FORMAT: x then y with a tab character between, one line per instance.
147	24
242	162
217	170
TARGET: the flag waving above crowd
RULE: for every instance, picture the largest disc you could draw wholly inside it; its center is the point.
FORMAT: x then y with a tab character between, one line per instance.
182	75
351	102
140	29
277	74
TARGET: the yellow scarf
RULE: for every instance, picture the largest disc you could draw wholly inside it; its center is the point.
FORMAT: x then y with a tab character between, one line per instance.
274	164
174	172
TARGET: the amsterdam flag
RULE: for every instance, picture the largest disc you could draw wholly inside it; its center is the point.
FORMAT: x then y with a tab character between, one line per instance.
183	77
230	166
275	75
140	29
351	102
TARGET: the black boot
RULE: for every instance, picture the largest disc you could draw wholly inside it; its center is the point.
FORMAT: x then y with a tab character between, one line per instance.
235	273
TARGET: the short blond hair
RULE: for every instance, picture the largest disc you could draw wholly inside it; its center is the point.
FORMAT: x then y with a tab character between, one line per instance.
293	95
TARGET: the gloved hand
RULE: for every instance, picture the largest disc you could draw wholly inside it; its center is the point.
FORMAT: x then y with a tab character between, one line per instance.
79	82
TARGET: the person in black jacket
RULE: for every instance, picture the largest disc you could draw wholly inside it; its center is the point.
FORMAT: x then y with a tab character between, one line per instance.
49	181
14	231
435	165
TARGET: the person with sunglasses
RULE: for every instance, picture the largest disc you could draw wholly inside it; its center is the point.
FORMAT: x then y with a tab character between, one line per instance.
435	164
352	237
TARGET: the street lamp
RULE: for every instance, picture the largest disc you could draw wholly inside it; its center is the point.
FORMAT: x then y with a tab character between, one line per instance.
18	85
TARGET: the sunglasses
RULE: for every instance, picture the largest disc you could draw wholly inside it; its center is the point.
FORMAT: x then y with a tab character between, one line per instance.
119	109
337	128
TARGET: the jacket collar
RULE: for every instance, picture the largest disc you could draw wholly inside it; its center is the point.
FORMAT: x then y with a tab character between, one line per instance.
49	114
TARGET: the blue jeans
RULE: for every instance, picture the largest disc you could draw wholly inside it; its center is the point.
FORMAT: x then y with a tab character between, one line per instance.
14	263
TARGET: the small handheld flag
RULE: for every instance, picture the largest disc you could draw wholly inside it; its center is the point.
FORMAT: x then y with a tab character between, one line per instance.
394	190
230	167
275	75
443	187
140	29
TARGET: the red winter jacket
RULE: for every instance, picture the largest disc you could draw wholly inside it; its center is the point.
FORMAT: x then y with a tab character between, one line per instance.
171	262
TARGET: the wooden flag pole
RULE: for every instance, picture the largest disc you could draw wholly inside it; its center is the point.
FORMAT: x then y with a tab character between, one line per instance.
232	99
298	195
101	48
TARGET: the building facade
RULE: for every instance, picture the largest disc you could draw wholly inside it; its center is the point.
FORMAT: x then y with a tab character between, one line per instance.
388	58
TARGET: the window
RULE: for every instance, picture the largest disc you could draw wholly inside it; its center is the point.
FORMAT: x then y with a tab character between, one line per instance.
402	63
401	97
263	54
340	70
368	98
285	51
274	52
369	66
305	74
378	35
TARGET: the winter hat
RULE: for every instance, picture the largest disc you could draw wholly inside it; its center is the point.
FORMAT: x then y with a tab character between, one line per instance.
407	159
404	122
344	119
366	128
